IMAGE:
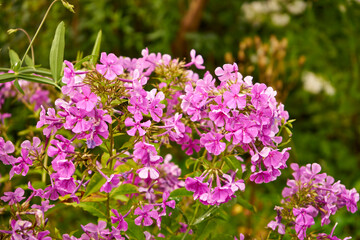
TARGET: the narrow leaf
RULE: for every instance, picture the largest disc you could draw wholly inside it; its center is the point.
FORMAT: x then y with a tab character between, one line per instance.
180	192
95	184
29	61
17	85
7	77
96	209
124	189
234	164
96	50
38	79
206	215
14	58
57	52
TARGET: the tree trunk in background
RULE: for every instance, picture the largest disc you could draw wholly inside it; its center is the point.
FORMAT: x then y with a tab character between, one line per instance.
189	23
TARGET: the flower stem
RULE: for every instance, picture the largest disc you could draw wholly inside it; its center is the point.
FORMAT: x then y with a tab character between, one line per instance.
37	31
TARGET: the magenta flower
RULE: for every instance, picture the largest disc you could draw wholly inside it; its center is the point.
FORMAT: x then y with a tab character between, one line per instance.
123	225
5	149
228	72
86	100
96	230
43	207
148	172
196	186
195	60
13	197
212	143
110	66
111	182
145	215
137	126
233	99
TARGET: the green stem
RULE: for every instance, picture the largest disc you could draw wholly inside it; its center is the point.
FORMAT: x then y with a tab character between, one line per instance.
192	221
108	209
37	31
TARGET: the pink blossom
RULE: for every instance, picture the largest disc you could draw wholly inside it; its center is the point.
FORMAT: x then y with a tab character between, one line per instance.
110	66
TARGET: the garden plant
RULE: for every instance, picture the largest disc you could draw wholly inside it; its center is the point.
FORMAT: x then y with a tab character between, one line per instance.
101	137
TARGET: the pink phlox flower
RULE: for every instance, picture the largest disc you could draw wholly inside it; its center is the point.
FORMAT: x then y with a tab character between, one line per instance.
234	185
21	164
111	182
258	96
64	184
219	113
110	66
149	236
76	120
149	193
227	72
99	127
277	224
207	83
40	97
64	167
5	149
155	107
86	99
197	186
36	192
138	106
351	198
312	173
20	229
166	203
51	119
43	207
146	215
331	235
246	133
304	219
261	177
190	145
60	148
137	126
13	197
148	172
212	142
146	153
200	97
174	127
198	60
96	231
34	149
233	99
123	225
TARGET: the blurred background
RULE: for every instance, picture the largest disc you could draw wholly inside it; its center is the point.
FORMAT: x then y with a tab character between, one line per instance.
308	51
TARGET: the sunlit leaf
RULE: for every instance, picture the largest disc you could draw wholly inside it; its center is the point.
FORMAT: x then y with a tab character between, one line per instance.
57	52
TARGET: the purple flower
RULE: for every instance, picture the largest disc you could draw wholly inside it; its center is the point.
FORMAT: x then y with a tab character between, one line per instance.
148	172
145	215
111	182
196	186
110	66
212	143
13	197
122	226
5	149
137	126
195	60
86	100
96	231
233	99
44	206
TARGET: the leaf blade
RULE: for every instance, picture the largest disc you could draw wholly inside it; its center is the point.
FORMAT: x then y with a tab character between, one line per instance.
96	50
57	52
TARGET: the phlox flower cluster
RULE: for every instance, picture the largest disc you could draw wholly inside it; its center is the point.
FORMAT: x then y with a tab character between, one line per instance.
311	194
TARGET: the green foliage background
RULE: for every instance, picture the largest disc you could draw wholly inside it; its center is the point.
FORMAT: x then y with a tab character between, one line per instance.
327	34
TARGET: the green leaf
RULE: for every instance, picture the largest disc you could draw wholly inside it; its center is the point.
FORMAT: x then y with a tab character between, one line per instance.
7	77
234	164
57	52
39	71
17	85
96	209
206	215
180	192
95	184
96	50
34	78
14	60
78	64
124	189
29	61
245	203
135	231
